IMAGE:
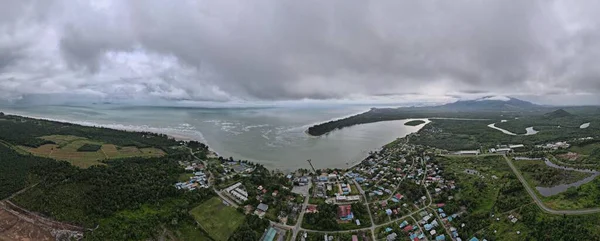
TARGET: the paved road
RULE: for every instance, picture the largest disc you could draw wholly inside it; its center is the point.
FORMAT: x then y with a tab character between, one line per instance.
210	182
297	227
539	202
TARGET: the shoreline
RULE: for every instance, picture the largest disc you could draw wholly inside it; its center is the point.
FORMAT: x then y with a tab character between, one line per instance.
183	137
177	137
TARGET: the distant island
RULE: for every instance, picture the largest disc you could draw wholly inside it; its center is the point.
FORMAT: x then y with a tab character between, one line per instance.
414	123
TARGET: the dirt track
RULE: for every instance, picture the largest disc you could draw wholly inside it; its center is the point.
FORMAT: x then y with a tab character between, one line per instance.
19	224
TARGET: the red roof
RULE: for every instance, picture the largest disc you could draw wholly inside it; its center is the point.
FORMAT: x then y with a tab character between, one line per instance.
311	208
398	196
344	210
354	238
264	190
408	228
441	205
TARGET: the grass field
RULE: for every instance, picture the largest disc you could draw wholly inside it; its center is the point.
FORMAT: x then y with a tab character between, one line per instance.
187	232
217	219
62	140
66	150
184	177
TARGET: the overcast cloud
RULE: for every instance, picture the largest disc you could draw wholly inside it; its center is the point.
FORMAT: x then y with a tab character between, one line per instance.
290	50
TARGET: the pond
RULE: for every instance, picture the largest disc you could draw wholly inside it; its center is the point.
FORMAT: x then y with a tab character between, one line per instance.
549	191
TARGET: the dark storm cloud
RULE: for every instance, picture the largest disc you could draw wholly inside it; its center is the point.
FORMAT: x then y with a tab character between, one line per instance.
286	50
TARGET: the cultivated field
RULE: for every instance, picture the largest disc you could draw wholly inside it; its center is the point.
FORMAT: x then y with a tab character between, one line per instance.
66	150
217	219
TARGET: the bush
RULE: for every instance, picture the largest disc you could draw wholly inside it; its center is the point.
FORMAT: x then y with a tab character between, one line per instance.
89	148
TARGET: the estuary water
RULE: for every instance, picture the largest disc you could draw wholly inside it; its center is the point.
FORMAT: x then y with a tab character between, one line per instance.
274	137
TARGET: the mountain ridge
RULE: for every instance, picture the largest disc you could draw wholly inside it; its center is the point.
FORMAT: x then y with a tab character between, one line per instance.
491	103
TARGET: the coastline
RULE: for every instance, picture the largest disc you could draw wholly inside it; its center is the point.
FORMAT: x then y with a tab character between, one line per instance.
178	137
184	135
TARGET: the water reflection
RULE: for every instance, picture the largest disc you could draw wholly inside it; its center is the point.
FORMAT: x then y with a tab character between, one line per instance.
549	191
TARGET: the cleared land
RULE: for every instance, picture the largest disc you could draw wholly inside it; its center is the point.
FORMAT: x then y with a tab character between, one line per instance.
217	219
67	147
18	224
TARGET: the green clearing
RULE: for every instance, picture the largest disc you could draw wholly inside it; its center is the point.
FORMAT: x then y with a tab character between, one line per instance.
62	140
188	232
217	219
184	177
69	148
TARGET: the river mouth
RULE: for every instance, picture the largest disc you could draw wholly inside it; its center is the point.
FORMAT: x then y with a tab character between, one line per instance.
551	191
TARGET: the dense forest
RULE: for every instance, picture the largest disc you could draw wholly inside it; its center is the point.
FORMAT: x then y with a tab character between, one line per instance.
15	170
127	198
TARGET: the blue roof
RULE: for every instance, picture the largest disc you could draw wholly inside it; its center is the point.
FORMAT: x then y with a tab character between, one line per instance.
270	234
388	229
403	224
440	238
428	227
474	239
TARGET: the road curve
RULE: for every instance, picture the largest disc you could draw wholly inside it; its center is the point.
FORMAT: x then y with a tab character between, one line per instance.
539	202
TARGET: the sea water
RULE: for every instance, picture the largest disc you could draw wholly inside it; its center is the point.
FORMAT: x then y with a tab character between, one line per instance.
274	137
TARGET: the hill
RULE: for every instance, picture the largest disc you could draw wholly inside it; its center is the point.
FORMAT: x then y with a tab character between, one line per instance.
560	113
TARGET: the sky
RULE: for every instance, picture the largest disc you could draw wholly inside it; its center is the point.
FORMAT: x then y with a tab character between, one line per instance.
358	51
